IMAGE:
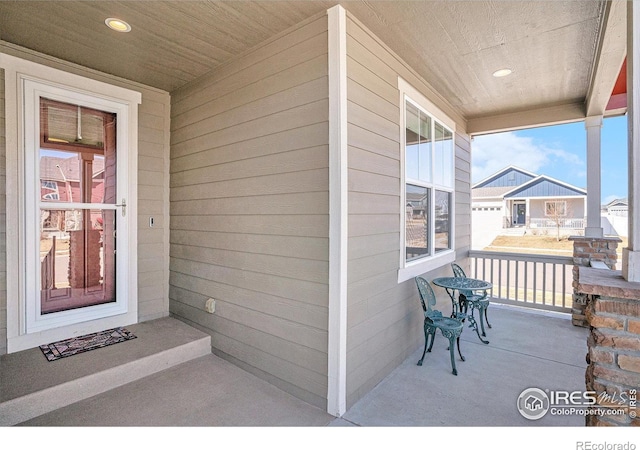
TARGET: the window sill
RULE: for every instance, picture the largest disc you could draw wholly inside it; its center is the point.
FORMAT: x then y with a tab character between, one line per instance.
415	269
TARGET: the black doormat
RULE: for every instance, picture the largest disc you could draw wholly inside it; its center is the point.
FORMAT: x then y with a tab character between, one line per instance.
80	344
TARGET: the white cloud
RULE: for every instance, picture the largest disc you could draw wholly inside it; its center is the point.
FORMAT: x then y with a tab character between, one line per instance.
491	153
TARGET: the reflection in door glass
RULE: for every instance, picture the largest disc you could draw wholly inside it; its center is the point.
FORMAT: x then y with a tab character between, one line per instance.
65	176
77	258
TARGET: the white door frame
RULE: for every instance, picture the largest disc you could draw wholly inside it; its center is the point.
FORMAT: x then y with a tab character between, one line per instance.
21	78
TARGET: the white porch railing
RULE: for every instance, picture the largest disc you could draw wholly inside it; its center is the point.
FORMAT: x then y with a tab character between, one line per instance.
536	281
551	223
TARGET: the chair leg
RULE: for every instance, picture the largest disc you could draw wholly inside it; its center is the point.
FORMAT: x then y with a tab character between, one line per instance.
433	338
485	317
459	352
481	313
453	360
428	331
424	352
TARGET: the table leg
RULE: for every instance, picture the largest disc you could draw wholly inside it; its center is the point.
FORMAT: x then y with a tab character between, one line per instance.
472	321
455	309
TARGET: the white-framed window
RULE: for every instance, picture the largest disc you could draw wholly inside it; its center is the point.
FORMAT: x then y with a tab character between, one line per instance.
428	197
555	208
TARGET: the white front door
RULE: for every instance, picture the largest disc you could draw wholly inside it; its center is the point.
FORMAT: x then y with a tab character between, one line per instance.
76	170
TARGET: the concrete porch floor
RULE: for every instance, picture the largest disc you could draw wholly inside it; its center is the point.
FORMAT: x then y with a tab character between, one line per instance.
527	349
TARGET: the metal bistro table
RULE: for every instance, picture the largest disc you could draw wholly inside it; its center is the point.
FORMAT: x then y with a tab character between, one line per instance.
453	284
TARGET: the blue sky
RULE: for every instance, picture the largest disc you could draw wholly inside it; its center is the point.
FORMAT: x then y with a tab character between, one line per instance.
558	151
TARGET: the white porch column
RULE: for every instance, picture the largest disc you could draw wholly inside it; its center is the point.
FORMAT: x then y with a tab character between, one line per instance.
506	214
338	213
527	214
631	254
593	227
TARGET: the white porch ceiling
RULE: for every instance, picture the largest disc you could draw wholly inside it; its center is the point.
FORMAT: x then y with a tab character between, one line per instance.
562	53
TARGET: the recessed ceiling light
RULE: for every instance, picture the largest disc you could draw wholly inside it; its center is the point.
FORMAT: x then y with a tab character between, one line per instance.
502	73
118	25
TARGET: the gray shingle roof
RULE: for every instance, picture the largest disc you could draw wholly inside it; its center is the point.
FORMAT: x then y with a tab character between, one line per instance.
490	192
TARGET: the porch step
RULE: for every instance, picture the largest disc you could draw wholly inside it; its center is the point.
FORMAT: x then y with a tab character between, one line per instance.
31	386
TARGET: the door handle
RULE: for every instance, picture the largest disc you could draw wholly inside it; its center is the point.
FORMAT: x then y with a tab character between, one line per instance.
124	207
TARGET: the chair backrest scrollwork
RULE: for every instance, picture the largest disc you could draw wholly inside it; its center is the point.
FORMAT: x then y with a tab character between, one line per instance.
427	297
459	273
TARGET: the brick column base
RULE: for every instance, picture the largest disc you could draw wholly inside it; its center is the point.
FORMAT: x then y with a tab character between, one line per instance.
614	360
585	251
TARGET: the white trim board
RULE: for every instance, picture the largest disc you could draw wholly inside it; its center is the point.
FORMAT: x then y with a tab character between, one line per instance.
338	213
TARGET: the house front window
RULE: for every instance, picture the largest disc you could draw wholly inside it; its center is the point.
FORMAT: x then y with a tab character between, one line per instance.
428	179
555	208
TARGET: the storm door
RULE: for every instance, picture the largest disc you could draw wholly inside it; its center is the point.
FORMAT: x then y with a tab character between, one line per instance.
77	258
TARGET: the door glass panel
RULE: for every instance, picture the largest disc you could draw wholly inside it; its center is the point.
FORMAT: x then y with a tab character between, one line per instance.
77	163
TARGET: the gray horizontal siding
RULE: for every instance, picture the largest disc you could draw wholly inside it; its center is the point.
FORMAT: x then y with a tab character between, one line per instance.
249	209
462	194
153	201
375	302
384	320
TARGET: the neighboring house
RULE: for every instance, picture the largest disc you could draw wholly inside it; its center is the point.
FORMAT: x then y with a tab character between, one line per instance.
60	178
298	165
515	197
617	207
615	217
